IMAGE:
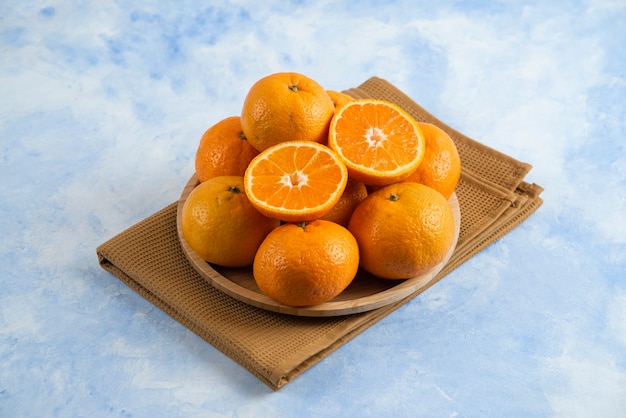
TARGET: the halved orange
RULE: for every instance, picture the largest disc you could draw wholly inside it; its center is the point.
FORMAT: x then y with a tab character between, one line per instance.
379	142
295	181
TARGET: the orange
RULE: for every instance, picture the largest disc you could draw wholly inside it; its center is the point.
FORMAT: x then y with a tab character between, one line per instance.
352	195
403	230
295	181
441	166
285	107
378	141
219	223
339	98
223	150
307	263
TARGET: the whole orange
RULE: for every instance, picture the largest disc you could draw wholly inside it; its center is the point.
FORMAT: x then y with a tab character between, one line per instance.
219	223
223	150
352	195
306	263
403	230
339	98
441	166
283	107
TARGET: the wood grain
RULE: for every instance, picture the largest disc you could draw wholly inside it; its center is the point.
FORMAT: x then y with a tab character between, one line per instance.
365	293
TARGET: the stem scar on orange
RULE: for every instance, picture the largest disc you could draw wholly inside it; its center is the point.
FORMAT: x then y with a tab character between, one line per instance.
295	181
378	141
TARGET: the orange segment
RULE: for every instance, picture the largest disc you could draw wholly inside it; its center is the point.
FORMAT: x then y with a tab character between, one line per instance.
295	181
378	141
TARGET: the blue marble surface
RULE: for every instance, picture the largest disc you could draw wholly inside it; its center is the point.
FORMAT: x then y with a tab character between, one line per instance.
102	105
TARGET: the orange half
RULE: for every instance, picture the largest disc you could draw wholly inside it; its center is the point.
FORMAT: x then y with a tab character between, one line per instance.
379	142
295	181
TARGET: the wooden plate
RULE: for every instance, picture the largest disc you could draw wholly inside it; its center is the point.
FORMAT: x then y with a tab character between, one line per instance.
366	292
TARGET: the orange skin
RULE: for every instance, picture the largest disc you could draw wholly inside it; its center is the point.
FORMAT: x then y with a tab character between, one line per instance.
219	223
353	194
306	264
223	150
285	107
403	230
441	166
339	98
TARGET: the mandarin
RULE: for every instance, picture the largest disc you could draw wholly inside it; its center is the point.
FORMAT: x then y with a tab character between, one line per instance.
284	107
295	181
339	98
219	223
403	230
378	141
352	195
306	263
441	166
223	150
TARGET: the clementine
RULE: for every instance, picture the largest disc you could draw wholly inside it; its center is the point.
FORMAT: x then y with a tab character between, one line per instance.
403	230
352	195
441	166
307	263
219	223
378	141
223	150
339	98
284	107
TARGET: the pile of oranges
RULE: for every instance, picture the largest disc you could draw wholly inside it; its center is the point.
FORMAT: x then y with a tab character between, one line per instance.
308	185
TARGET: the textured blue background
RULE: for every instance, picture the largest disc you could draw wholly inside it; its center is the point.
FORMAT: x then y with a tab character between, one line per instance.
102	105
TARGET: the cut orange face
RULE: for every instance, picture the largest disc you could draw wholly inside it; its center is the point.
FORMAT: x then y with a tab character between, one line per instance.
295	181
378	141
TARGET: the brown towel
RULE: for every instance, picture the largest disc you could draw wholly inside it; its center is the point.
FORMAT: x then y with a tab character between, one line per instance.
275	347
